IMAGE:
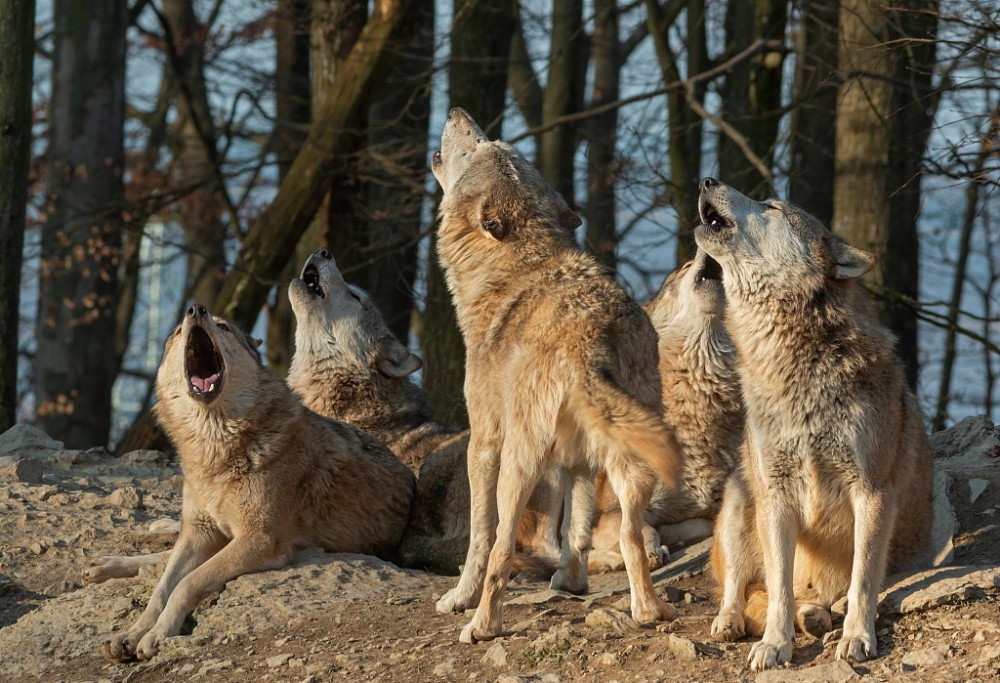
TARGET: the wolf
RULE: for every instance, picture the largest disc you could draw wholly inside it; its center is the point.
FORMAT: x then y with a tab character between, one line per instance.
262	476
561	368
834	483
701	403
348	366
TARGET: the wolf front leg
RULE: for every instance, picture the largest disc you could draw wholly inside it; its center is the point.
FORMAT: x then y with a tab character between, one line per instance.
736	557
244	554
578	511
197	543
776	528
874	517
483	467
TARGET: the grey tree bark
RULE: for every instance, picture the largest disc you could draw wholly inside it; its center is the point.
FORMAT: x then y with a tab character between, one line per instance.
17	48
77	362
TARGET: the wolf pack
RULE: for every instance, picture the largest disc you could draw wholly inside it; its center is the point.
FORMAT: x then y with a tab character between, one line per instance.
756	396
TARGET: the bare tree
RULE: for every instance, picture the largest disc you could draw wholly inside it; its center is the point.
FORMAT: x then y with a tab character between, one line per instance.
17	47
81	238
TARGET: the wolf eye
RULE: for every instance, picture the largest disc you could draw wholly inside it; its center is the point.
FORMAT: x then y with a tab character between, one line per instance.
772	207
224	327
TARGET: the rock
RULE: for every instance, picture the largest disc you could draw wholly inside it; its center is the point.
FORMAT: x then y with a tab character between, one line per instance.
213	666
976	488
446	668
277	660
496	655
975	435
989	653
551	678
604	619
833	672
144	457
682	648
942	586
928	656
27	470
28	440
542	597
672	594
944	524
126	498
514	678
39	548
608	660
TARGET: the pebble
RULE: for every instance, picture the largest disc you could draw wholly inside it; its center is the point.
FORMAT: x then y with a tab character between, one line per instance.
126	498
606	619
277	660
496	655
928	656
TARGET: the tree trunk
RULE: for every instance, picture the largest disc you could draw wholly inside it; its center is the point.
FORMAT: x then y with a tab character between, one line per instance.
271	241
810	179
563	95
397	144
76	365
602	160
477	81
17	48
751	95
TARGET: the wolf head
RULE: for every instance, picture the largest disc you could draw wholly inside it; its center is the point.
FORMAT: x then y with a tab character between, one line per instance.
490	190
772	244
207	361
339	324
694	291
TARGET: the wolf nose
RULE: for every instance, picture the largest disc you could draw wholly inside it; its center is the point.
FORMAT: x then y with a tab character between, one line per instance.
324	253
197	311
708	183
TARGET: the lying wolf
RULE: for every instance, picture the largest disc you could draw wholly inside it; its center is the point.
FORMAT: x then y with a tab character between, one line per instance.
701	403
560	370
835	480
262	475
347	365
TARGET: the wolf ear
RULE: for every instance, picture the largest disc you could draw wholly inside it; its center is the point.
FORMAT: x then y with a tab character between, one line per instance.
492	220
848	262
256	342
567	216
395	361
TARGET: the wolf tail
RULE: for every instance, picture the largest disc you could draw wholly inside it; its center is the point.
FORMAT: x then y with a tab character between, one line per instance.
624	422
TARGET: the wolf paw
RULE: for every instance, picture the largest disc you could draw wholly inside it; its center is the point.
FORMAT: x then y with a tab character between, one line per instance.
766	655
100	569
728	627
120	648
455	602
571	582
814	620
149	646
657	557
656	610
855	650
473	633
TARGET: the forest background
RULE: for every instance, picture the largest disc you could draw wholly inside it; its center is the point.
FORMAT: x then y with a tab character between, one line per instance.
159	152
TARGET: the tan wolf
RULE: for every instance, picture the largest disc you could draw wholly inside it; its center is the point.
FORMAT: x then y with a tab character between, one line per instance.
262	475
348	365
560	370
835	479
701	403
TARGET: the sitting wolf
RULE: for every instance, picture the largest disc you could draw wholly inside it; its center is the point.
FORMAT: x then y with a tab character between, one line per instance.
262	475
835	480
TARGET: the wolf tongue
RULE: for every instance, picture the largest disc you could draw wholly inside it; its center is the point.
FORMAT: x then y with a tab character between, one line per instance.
203	385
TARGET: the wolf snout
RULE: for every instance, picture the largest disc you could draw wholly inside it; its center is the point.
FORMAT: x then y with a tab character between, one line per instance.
197	312
324	254
707	184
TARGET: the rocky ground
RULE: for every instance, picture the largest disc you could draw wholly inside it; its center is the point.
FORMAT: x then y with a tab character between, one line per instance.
337	617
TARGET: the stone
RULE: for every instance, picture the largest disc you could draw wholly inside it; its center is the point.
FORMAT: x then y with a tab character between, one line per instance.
60	587
944	524
213	666
921	591
496	655
976	488
446	668
27	439
277	660
605	619
27	470
975	435
928	656
126	498
514	678
542	597
607	660
832	672
145	457
682	648
989	653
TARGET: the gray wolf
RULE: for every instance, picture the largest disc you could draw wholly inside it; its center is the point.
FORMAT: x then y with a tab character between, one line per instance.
834	484
348	366
262	476
701	403
561	369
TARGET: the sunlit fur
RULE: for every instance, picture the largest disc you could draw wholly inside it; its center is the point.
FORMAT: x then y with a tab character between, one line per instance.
701	402
835	480
560	369
347	365
262	476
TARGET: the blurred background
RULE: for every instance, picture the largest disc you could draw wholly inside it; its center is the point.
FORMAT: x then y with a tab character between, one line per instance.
154	153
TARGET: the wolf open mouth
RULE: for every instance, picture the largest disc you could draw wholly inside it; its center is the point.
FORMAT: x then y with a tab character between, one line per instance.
310	275
203	365
711	217
710	270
